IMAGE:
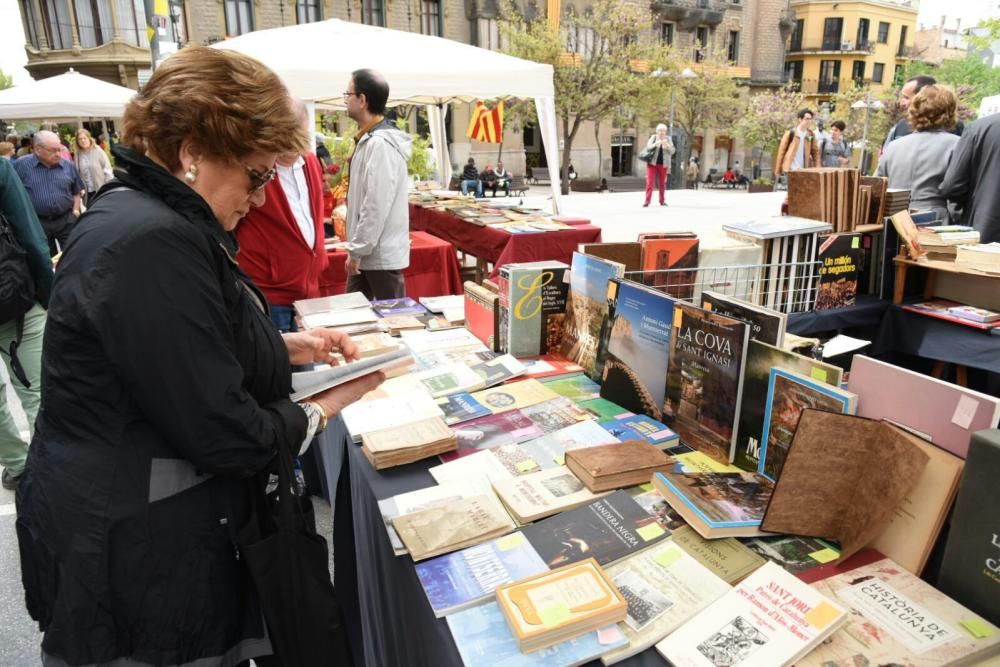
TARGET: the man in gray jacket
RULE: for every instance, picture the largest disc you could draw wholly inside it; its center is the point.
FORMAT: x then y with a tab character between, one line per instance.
378	216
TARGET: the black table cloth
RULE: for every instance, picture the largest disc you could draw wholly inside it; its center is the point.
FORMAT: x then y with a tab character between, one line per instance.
931	338
866	312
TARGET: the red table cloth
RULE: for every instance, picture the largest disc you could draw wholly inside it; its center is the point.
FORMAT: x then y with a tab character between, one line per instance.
499	247
433	269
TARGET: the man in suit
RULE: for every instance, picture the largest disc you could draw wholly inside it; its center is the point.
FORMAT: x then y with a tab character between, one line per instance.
973	177
281	242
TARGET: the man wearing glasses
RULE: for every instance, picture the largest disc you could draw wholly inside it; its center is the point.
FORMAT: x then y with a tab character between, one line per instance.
378	216
281	241
54	187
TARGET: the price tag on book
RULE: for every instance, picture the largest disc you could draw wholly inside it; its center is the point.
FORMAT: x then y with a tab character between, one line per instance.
978	628
668	557
822	615
646	487
527	465
827	555
554	615
818	374
560	459
650	532
512	541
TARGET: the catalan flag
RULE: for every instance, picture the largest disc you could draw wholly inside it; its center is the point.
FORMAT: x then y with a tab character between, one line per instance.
486	126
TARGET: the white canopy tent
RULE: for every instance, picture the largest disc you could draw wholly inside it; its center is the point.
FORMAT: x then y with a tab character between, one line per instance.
68	96
315	60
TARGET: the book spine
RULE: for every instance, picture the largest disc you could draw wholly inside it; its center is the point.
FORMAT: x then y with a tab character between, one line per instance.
503	310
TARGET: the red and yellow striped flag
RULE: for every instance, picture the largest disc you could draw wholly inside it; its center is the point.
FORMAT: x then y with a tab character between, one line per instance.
486	126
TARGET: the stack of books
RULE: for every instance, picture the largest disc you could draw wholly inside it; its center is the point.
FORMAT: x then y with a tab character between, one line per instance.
983	257
896	200
400	445
942	242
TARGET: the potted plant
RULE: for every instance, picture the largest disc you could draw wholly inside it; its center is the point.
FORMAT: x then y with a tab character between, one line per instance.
760	185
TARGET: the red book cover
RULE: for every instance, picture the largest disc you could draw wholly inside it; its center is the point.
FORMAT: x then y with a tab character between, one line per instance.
661	261
481	314
827	570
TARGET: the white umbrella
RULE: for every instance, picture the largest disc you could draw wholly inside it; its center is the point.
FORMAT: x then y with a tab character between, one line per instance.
69	95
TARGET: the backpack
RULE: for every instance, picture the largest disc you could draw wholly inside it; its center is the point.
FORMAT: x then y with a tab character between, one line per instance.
17	292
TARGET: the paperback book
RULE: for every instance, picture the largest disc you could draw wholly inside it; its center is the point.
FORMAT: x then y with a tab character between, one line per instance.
840	259
941	309
432	496
641	427
540	494
575	387
388	412
718	504
441	529
556	414
394	307
766	325
636	348
461	407
310	383
586	308
550	450
705	379
727	558
509	427
514	395
549	365
399	445
497	370
602	409
486	466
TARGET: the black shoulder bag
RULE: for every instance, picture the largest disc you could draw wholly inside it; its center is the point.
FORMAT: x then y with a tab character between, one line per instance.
17	293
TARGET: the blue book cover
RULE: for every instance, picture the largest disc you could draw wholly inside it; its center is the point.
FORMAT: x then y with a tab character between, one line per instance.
586	308
484	638
470	576
636	352
394	307
717	499
788	394
461	407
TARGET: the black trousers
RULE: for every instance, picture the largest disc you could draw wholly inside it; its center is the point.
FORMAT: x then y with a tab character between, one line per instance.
377	285
57	229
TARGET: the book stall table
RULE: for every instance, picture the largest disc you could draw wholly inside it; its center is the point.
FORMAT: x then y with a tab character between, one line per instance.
866	312
384	608
498	247
433	269
932	267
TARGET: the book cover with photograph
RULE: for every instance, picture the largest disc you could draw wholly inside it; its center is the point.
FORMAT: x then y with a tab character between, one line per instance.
556	414
671	265
586	308
637	348
705	379
840	261
717	504
461	407
577	387
509	427
641	427
396	307
543	493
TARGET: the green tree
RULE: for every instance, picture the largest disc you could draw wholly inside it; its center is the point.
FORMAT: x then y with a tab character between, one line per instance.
880	120
6	80
991	27
706	101
594	59
768	117
971	78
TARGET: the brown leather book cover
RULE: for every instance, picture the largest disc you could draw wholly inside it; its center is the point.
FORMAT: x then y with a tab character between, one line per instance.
629	254
617	466
843	479
879	184
804	193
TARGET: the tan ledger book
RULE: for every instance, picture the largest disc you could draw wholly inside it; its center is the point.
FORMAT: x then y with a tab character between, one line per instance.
617	466
440	530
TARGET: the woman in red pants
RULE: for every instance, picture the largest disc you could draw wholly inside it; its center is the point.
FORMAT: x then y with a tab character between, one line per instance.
657	155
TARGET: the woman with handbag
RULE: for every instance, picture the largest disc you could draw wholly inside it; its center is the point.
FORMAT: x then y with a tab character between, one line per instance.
659	149
165	388
92	163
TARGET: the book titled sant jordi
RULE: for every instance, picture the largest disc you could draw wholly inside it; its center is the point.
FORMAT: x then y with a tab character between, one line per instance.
310	383
532	307
771	619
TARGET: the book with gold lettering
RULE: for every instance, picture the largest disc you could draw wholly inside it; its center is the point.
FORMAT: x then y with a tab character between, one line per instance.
771	619
556	606
442	529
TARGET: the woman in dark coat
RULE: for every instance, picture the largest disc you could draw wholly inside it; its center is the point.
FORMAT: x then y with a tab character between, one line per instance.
165	386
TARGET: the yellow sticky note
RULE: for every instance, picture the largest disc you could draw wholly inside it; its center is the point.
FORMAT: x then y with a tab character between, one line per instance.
978	628
512	541
668	557
646	487
526	465
818	374
560	459
822	615
827	555
650	532
554	615
678	317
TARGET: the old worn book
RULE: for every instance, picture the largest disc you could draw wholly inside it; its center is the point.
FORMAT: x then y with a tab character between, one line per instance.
970	571
373	344
766	325
387	412
395	324
771	619
445	528
544	493
399	445
432	496
586	308
514	395
876	211
610	467
663	587
629	254
760	360
727	558
788	394
717	504
705	379
844	479
532	307
556	606
897	619
636	347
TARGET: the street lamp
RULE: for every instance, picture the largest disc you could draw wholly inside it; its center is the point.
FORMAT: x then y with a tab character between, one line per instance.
867	104
687	73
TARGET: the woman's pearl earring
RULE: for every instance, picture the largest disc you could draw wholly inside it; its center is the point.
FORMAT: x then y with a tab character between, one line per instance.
191	175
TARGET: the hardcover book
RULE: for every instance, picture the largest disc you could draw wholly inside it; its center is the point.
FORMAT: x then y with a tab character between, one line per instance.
556	606
970	571
509	427
717	504
705	379
727	558
514	395
769	619
788	394
663	587
444	528
586	308
461	407
482	314
629	254
760	360
575	387
840	259
616	466
550	450
637	348
943	413
608	529
641	427
484	638
544	493
867	468
897	619
671	265
532	307
766	325
556	414
469	577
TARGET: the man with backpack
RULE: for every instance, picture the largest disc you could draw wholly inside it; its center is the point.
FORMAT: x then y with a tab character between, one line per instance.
25	283
799	147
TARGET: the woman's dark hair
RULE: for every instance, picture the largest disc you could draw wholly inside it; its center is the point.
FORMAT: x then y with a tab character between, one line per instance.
373	86
839	124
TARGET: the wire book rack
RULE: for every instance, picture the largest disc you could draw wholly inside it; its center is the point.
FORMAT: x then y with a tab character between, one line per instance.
788	287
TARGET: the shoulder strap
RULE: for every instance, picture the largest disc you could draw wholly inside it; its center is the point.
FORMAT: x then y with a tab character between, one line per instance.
15	364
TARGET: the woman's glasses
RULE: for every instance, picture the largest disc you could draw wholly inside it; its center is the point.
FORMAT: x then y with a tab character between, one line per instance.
257	179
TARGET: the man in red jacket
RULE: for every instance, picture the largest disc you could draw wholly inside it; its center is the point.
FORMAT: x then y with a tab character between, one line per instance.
281	242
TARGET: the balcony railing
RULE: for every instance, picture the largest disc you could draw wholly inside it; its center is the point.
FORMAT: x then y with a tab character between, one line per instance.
845	47
817	87
692	13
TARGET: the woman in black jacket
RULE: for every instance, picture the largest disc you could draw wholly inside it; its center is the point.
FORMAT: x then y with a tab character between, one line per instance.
165	385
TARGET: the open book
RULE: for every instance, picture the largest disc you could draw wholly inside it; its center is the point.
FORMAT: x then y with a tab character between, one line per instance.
309	383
